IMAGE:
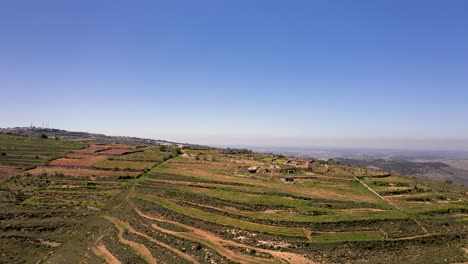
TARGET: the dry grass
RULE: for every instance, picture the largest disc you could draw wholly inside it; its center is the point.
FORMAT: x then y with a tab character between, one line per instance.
82	162
125	165
81	172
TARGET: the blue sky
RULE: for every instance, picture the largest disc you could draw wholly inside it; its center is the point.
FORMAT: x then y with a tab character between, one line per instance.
312	73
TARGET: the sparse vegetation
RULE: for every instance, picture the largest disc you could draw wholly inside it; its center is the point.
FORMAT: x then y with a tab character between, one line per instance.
134	204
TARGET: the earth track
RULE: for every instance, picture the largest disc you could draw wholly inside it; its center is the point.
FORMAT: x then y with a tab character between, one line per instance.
103	252
218	243
140	249
392	205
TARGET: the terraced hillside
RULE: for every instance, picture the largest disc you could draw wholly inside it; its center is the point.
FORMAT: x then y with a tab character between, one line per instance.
54	202
18	153
142	204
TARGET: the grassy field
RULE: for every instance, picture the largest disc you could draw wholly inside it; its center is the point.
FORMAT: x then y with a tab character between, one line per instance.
80	203
24	152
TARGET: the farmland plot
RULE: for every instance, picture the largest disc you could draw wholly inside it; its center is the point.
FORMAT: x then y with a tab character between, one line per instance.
25	152
125	165
115	151
88	161
81	172
146	156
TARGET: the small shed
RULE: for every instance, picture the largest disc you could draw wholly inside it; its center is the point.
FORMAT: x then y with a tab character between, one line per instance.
289	170
252	169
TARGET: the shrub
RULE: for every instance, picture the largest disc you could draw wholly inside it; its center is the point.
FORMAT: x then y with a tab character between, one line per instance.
163	148
236	151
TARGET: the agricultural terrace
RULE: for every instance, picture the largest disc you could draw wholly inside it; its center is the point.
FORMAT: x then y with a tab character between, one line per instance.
47	202
26	152
210	206
18	153
204	207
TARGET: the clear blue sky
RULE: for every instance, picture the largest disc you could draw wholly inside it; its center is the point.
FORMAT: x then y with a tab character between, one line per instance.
243	72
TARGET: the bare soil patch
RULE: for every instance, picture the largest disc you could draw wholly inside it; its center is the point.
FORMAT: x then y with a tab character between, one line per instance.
140	249
218	244
81	162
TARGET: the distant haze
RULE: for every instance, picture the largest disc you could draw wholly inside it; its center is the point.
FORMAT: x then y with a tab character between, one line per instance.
377	144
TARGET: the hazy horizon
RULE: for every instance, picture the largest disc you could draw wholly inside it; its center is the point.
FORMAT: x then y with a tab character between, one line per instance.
414	144
348	74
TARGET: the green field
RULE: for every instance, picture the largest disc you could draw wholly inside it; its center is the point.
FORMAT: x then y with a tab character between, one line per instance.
24	152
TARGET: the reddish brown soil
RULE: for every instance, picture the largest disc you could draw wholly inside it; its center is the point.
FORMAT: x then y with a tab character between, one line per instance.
82	162
7	171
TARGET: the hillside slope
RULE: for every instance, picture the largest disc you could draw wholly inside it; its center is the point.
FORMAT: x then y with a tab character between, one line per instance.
120	203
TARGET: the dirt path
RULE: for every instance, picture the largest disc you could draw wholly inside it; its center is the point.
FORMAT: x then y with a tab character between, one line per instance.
159	243
123	199
392	205
217	243
308	234
377	194
409	238
101	251
137	247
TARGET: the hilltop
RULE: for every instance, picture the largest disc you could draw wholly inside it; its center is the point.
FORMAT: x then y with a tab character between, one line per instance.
82	136
88	198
